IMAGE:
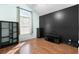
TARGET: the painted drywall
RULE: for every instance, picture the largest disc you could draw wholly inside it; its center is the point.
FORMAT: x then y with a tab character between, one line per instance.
44	9
8	12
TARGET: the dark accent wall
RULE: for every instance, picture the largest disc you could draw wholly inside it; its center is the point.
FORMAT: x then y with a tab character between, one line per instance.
63	22
78	22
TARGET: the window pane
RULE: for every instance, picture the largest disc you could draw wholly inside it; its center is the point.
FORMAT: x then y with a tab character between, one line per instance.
25	22
25	30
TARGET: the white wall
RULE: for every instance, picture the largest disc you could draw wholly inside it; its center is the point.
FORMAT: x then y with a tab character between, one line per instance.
9	13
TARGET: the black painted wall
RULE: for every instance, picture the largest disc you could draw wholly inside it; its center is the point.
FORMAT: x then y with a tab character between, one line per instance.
63	22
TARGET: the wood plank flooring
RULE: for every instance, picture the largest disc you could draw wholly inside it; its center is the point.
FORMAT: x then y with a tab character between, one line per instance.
41	46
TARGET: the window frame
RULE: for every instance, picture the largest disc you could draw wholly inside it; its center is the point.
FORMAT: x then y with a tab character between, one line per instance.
18	19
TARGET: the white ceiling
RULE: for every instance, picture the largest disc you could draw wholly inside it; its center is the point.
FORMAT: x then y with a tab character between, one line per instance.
43	9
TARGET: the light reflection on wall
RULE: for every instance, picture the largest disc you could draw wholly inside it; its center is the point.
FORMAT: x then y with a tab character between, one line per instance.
59	15
48	27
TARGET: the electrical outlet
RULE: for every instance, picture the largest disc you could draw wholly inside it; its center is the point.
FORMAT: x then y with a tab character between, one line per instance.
69	40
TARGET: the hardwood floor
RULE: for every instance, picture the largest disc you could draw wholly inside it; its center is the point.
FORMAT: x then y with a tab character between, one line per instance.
6	49
41	46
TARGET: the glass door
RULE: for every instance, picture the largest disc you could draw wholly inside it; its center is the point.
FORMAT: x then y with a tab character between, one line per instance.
4	33
15	39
